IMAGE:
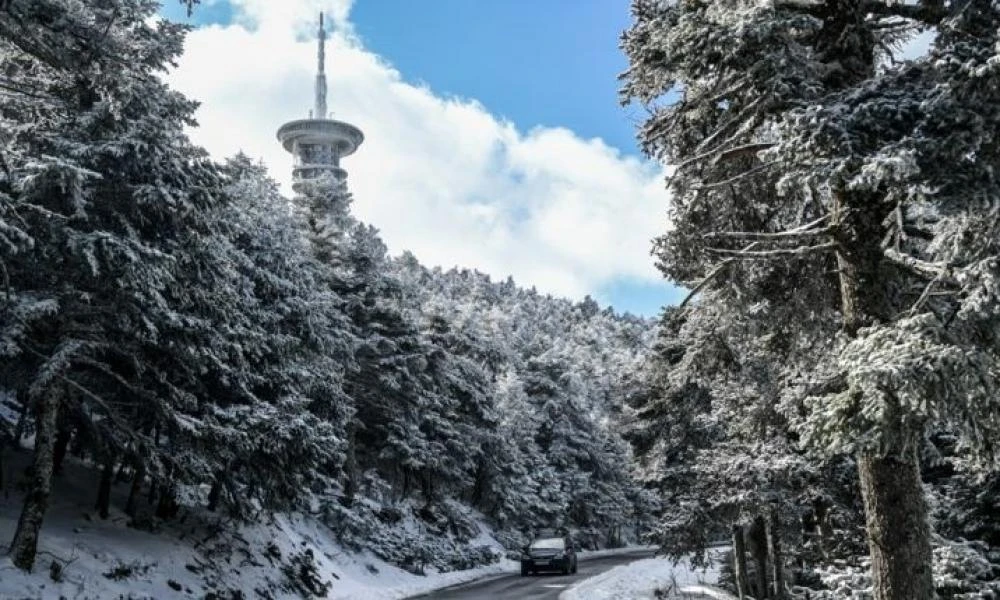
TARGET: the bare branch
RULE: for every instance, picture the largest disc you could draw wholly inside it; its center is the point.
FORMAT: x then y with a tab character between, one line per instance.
900	230
775	253
793	234
108	411
749	120
741	117
813	223
748	252
736	178
705	281
925	295
741	151
712	275
805	230
921	268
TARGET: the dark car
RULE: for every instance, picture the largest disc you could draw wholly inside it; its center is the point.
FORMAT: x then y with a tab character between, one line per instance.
549	554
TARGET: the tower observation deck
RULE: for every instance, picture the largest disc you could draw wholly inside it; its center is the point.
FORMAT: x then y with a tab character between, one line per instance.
317	144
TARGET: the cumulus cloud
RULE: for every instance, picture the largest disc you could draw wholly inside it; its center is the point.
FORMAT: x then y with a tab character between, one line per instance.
439	176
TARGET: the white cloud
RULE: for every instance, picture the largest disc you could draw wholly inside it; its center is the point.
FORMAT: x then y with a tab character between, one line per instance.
439	176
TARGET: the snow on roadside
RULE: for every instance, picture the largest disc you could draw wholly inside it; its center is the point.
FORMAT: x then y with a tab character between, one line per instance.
438	581
642	580
585	554
105	559
84	557
359	581
709	592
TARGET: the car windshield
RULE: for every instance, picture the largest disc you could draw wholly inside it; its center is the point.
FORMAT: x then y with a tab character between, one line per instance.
548	544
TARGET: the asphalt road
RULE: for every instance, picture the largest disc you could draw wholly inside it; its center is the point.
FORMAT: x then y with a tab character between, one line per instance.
535	587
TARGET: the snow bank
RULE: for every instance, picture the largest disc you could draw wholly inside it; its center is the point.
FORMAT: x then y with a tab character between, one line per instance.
708	592
104	559
585	554
200	554
644	579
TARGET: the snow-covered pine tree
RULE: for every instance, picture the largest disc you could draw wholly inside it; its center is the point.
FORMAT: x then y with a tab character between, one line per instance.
289	350
386	381
504	330
818	179
461	421
708	436
100	176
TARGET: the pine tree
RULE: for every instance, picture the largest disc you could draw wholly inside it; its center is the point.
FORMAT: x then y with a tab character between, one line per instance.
100	176
820	185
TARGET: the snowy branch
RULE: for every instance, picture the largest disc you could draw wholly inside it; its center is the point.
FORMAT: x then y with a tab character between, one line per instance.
97	399
925	12
822	387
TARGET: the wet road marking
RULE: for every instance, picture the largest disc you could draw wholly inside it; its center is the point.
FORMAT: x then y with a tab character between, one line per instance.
556	585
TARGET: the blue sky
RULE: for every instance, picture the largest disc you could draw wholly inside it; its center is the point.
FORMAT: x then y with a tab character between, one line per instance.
535	63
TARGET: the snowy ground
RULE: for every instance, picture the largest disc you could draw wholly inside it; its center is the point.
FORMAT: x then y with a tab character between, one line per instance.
650	578
198	554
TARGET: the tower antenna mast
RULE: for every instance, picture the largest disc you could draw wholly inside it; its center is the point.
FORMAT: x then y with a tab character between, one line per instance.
319	111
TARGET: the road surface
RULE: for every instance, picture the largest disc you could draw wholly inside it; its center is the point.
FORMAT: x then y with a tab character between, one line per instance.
535	587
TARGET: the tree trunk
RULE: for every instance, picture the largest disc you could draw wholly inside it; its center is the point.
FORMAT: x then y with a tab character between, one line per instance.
166	508
216	492
5	440
476	497
758	550
428	485
823	530
22	420
898	531
131	505
774	545
350	468
740	562
122	474
59	451
3	450
405	489
36	500
895	512
103	504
